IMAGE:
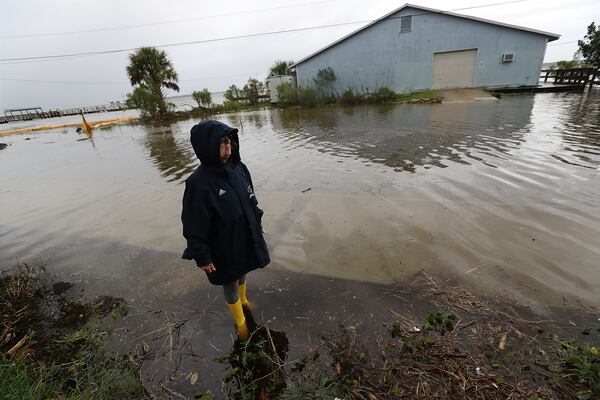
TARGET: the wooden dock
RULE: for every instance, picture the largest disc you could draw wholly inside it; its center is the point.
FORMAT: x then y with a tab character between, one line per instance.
571	76
32	113
559	80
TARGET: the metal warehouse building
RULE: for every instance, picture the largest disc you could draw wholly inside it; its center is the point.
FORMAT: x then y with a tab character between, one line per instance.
417	48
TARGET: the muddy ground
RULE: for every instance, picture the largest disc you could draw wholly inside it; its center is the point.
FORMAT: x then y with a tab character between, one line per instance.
424	338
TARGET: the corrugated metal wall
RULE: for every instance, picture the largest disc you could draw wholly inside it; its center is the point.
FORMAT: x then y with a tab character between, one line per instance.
382	56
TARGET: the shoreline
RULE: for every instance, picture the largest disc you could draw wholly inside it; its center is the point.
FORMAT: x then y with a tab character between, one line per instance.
482	341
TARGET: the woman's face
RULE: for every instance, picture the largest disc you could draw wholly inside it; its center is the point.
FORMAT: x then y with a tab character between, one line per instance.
225	149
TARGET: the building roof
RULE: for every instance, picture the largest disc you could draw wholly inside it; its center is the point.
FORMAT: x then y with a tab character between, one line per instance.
551	36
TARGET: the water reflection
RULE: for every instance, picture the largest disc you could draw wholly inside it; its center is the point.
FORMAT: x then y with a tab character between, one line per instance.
581	133
404	137
173	157
409	137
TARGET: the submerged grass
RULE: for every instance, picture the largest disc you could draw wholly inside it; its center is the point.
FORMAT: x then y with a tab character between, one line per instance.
51	347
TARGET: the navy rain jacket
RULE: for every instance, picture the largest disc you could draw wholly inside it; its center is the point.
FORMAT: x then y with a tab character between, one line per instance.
221	218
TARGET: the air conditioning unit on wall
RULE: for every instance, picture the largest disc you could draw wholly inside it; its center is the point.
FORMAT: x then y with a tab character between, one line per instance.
508	57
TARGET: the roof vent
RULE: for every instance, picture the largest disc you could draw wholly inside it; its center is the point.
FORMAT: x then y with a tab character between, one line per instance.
508	57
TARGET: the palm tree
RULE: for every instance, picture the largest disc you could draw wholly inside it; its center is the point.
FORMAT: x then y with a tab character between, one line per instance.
281	67
151	69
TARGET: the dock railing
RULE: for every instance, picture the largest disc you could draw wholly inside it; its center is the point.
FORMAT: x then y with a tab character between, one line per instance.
27	114
571	76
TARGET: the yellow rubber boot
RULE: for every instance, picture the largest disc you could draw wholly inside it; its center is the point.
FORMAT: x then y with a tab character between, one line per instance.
242	290
240	321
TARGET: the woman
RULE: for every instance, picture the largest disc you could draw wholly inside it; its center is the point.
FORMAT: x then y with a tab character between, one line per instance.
221	218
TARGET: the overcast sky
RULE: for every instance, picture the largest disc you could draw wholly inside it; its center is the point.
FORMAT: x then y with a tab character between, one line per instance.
98	79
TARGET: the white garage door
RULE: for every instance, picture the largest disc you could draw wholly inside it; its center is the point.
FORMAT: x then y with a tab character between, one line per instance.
453	69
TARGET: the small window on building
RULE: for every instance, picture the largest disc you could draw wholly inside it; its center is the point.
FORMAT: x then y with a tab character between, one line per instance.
406	24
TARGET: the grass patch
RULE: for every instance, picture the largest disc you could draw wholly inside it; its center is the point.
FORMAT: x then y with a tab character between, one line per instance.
51	347
414	97
84	377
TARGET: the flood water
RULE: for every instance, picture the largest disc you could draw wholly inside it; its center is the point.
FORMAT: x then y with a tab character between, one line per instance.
502	195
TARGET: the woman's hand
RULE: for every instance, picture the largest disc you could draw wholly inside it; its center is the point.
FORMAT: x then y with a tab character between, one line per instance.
209	268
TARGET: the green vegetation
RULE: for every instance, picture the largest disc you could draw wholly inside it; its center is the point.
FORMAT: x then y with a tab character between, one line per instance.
440	321
85	374
45	357
233	93
287	93
252	90
416	97
307	97
203	98
320	386
280	67
324	78
252	96
150	72
565	64
249	94
256	366
323	94
324	84
150	105
349	97
589	47
233	105
383	94
579	364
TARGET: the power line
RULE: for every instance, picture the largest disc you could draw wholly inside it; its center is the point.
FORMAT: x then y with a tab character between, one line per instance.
64	82
174	21
47	59
489	5
185	43
80	54
123	82
560	44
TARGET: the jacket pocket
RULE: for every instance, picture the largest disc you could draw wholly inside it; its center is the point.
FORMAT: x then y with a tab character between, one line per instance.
229	208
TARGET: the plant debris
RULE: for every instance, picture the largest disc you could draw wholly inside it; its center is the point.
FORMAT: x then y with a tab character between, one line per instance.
469	347
257	366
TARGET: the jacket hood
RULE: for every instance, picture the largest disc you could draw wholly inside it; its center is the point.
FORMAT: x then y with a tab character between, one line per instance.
206	141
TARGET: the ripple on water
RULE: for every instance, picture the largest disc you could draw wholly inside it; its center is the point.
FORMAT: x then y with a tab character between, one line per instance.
508	186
